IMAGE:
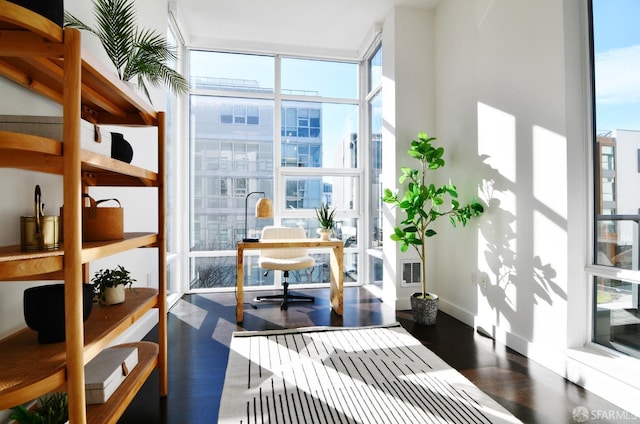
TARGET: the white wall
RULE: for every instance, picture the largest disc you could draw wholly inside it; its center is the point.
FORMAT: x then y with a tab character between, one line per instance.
500	102
17	185
408	77
511	108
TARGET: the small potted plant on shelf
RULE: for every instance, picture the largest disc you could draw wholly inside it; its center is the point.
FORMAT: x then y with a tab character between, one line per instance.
109	285
50	409
326	217
423	203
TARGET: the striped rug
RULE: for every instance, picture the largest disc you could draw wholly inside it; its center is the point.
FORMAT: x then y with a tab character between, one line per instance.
347	375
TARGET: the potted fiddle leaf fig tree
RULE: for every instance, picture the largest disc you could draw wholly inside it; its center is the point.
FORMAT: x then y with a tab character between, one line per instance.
140	54
423	203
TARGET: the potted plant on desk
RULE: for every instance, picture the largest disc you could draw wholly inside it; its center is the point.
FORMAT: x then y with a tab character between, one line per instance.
423	203
326	217
109	285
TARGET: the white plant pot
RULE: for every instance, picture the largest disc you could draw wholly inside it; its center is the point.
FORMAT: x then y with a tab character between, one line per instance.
113	295
324	233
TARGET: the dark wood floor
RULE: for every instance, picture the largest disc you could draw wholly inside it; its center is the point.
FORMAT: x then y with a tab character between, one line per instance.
200	328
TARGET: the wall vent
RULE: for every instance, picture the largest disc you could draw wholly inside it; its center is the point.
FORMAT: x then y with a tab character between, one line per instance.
410	274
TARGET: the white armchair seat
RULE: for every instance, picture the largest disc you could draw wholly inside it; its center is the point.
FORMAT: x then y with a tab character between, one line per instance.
284	259
286	264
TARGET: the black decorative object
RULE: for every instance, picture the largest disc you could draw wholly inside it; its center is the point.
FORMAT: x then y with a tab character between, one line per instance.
50	9
44	310
120	148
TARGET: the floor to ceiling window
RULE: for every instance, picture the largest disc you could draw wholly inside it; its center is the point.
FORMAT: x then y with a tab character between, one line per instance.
172	158
285	127
616	294
374	102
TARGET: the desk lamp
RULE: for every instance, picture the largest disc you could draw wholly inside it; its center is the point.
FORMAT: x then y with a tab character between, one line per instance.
264	209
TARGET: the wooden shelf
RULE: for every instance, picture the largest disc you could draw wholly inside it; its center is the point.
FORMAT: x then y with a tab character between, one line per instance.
105	99
112	410
99	249
31	369
15	264
18	265
106	322
34	60
41	154
13	16
111	172
49	60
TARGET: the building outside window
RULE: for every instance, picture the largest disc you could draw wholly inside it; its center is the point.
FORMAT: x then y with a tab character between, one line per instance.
616	170
236	149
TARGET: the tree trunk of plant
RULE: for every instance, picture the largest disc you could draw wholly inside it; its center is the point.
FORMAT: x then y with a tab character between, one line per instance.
424	268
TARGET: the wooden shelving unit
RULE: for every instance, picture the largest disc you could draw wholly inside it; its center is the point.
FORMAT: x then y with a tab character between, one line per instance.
18	265
43	57
35	363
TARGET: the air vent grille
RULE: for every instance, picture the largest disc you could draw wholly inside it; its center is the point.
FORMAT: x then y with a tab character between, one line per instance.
410	273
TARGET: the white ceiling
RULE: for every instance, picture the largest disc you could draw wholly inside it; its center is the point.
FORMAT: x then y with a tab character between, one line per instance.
327	27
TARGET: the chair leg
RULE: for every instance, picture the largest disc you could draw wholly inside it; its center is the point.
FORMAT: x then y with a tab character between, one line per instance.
285	297
285	294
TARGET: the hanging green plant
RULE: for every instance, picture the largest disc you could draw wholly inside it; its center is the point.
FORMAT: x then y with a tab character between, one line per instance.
140	54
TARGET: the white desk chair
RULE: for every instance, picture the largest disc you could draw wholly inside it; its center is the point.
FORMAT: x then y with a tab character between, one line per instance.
285	260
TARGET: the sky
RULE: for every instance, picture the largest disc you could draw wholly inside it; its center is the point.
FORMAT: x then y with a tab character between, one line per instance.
617	64
326	79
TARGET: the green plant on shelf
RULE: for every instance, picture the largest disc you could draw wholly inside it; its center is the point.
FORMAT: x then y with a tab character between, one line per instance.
51	409
106	278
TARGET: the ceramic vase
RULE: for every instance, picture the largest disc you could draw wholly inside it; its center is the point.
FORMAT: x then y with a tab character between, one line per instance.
424	311
44	310
324	233
113	295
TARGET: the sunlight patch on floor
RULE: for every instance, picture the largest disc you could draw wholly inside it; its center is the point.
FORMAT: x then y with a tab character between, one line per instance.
189	313
223	331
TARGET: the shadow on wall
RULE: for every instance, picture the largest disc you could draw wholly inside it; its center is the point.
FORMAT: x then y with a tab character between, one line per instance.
508	273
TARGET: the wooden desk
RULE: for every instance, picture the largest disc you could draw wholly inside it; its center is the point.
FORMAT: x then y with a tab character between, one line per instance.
336	267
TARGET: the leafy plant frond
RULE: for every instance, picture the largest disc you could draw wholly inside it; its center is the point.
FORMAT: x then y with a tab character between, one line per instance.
139	55
326	216
52	409
111	278
73	22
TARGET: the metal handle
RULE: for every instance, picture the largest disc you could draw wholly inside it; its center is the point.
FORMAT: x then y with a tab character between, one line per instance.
38	210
